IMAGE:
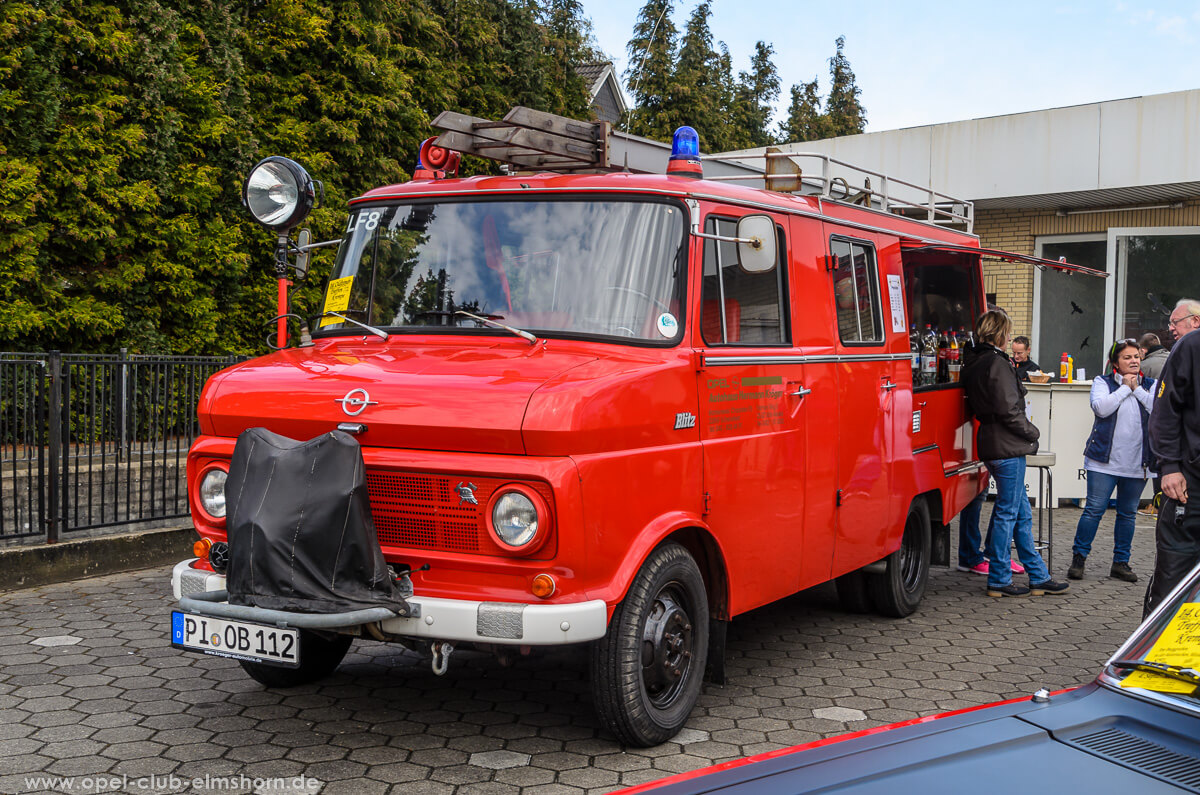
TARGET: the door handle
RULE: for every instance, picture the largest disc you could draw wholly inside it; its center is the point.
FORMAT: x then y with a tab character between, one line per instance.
889	385
800	392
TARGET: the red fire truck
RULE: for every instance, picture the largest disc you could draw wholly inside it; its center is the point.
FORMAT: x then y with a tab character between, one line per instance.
598	404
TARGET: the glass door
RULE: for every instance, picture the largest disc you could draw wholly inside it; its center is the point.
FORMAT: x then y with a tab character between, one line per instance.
1154	271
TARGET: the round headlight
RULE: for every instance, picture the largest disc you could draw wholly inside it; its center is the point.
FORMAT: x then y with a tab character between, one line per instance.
212	493
279	193
515	518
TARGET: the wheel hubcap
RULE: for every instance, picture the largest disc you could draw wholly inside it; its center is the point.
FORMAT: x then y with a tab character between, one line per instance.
667	651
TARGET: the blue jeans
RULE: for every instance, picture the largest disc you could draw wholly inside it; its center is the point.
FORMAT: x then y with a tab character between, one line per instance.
1099	489
969	555
1012	520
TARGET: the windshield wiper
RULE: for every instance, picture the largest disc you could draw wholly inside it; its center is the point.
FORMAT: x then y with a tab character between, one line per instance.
378	332
1190	675
525	335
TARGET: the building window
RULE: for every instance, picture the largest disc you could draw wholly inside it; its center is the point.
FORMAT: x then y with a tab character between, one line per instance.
1154	271
1070	308
1150	269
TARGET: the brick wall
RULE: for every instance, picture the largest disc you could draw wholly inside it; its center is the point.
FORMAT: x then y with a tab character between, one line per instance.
1017	231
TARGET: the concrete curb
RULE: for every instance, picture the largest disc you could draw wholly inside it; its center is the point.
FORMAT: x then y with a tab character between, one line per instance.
29	567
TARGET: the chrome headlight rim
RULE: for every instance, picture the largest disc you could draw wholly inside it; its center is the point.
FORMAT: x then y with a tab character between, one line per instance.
210	493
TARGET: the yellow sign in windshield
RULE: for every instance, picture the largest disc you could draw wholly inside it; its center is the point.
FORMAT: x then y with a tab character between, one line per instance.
337	299
1178	645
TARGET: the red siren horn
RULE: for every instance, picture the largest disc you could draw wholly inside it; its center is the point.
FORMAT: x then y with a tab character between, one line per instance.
434	162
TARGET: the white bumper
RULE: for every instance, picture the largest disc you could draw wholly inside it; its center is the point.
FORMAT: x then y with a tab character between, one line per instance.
460	620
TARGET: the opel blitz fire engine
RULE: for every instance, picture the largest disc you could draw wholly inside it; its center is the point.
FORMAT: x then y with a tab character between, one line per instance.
585	403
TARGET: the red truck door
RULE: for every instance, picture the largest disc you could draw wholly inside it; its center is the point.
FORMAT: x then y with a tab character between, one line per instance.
751	421
866	395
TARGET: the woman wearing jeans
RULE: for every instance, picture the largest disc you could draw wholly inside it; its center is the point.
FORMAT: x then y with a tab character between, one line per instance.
1117	456
1006	436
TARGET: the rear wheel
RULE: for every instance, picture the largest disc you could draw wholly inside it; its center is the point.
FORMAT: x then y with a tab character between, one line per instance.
319	656
898	591
648	667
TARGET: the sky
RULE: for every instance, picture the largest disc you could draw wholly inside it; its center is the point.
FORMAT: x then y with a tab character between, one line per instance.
931	62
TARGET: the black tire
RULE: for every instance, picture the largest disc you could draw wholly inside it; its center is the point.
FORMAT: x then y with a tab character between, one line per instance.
647	669
898	591
853	593
319	656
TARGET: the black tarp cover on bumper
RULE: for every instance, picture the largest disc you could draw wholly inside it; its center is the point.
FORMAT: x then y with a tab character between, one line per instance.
301	536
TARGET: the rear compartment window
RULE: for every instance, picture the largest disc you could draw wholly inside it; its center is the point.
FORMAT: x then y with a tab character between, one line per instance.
740	308
856	292
943	292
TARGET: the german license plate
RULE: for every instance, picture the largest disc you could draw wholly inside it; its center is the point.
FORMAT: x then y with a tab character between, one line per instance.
240	640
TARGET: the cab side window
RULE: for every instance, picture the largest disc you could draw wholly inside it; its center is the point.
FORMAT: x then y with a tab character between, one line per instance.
740	308
856	292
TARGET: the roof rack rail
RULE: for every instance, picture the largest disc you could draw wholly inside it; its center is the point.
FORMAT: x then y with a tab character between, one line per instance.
783	173
528	139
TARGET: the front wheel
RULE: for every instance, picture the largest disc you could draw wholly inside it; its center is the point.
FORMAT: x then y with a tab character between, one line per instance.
319	656
897	592
648	667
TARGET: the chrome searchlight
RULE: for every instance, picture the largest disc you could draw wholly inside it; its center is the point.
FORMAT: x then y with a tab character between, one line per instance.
279	193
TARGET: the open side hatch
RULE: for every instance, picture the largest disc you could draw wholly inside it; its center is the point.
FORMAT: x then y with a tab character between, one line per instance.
950	248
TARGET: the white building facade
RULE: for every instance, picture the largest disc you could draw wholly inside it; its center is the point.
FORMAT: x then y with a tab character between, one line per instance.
1110	185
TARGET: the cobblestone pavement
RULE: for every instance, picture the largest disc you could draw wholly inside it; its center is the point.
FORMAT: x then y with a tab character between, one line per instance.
90	689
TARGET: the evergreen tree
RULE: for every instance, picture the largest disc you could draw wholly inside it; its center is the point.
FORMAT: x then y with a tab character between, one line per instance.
757	91
846	114
696	97
805	121
652	52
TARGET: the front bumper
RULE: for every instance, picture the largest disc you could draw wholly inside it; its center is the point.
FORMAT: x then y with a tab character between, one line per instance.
458	620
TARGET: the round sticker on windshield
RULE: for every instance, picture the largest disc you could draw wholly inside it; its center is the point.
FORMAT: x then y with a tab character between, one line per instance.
667	324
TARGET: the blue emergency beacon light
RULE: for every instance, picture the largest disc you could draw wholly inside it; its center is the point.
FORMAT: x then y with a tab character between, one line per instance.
685	154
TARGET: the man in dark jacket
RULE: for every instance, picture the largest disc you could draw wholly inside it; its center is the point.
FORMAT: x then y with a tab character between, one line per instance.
1020	357
1006	436
1175	440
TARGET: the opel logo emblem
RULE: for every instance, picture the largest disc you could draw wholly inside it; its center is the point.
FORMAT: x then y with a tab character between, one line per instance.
355	401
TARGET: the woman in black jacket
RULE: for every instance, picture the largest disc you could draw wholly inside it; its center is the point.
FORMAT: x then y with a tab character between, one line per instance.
1006	436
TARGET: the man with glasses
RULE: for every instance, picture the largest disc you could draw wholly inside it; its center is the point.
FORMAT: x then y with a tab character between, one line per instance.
1185	318
1175	440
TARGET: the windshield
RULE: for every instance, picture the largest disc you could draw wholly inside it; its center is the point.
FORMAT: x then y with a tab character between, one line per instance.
1170	640
585	267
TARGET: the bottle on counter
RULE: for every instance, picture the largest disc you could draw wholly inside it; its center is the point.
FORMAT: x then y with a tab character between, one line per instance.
929	352
943	367
954	359
1064	368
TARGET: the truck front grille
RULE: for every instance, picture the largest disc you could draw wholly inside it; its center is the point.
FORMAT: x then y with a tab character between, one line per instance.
428	511
422	510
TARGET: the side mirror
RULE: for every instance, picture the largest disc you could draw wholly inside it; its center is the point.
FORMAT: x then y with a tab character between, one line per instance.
756	247
301	266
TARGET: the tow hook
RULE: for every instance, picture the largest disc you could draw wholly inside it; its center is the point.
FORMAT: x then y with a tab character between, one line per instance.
441	656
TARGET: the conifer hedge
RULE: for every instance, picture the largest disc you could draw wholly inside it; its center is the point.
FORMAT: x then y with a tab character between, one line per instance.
127	127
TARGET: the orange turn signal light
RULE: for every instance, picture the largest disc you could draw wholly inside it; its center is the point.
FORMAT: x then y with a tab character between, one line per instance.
543	586
201	547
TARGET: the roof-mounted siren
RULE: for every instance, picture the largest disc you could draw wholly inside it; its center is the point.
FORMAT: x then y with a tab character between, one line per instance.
685	154
436	162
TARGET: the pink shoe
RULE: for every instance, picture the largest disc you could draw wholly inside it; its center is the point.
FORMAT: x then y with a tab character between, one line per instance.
979	568
1017	568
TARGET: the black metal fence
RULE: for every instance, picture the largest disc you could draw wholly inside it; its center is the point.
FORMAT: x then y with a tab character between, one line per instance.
95	441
